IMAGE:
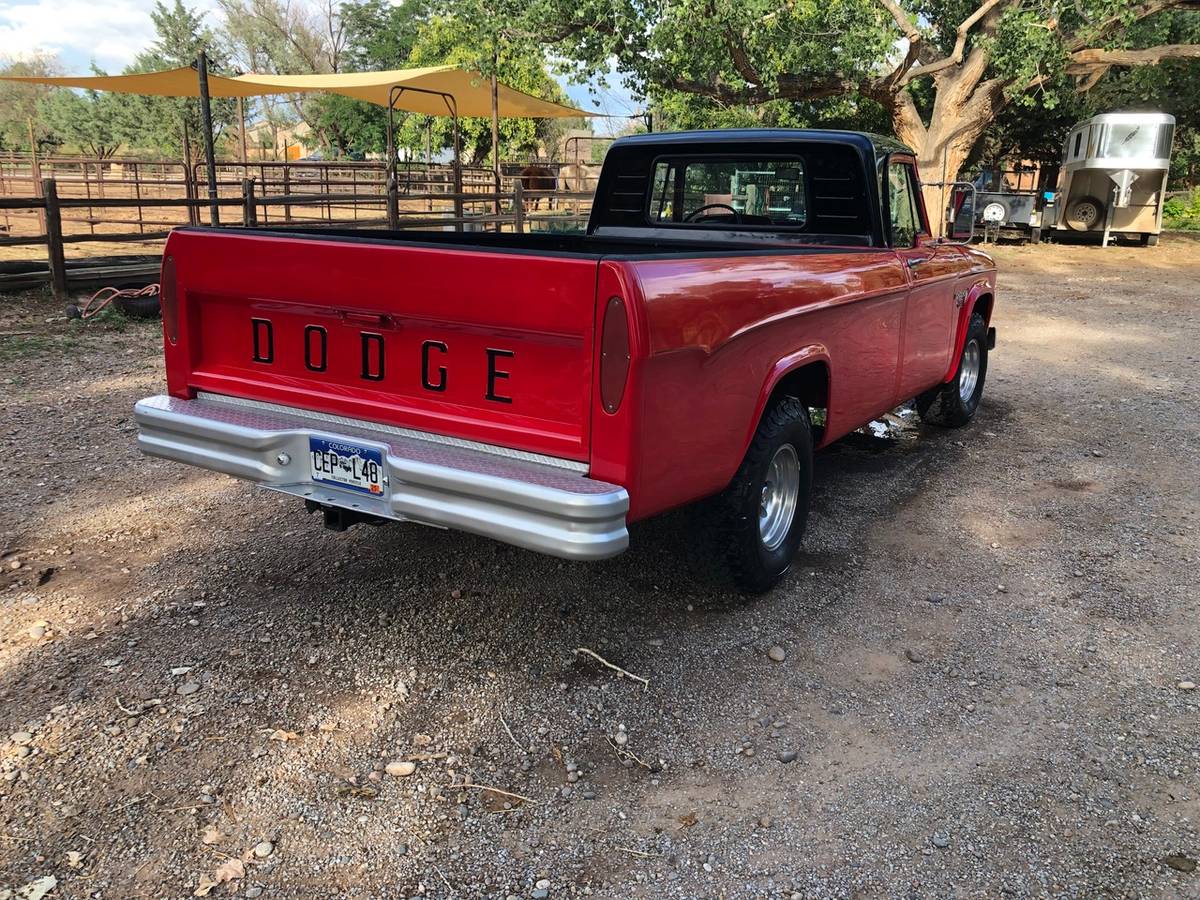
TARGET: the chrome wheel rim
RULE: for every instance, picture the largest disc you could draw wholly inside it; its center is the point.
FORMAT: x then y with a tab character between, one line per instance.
780	492
968	374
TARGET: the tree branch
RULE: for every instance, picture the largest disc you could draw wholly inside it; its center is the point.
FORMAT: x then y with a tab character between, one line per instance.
789	88
1084	62
1118	22
960	43
907	25
741	62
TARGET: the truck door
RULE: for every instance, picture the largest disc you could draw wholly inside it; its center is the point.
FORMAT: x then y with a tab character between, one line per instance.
929	315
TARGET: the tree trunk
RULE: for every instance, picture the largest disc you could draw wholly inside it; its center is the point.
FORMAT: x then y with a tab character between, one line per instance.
963	108
940	162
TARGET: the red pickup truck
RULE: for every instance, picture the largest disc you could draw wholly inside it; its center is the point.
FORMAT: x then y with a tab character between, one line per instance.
739	299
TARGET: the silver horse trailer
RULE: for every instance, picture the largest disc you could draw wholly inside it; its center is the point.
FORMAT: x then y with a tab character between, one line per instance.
1114	176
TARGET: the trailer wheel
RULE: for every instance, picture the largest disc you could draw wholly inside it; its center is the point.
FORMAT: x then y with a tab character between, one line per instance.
1035	235
953	405
1085	214
1149	240
763	512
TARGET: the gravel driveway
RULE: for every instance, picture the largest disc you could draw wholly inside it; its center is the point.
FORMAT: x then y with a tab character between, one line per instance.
990	647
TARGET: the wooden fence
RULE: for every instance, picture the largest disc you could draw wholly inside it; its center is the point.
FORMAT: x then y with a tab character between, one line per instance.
101	206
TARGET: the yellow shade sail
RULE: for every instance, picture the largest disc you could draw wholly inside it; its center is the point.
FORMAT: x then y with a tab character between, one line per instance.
471	91
181	82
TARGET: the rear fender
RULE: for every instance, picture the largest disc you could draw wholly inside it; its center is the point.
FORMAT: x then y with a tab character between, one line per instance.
978	297
813	353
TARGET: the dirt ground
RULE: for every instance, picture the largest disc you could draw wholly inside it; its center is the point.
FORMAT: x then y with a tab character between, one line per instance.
989	638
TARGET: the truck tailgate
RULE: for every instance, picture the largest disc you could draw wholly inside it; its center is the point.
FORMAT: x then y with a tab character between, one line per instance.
484	345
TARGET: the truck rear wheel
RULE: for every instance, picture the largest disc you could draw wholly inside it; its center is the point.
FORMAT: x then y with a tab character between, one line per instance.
765	508
954	403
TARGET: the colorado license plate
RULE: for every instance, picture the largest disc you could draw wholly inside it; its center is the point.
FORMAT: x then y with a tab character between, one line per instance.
346	465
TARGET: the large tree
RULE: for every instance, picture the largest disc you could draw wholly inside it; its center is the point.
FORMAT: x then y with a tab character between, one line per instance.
368	35
20	104
278	36
940	70
159	122
90	121
470	42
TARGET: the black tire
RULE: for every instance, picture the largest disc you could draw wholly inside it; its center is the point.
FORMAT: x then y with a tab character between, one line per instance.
1149	240
1035	235
755	564
1086	214
945	405
139	307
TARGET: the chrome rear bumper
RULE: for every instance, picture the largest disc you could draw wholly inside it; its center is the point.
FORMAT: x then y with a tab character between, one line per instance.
533	502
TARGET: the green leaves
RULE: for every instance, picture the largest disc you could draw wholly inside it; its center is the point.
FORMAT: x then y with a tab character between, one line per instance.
88	120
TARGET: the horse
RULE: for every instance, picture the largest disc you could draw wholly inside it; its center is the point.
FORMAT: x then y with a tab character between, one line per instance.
538	178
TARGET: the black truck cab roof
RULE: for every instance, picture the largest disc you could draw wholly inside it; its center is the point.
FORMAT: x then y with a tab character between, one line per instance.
777	186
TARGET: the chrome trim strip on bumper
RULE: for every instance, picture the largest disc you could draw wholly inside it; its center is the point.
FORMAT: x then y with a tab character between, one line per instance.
535	505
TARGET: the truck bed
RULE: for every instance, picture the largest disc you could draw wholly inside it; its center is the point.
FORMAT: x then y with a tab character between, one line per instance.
590	246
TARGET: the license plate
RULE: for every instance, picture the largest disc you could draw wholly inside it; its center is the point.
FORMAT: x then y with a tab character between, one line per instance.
346	465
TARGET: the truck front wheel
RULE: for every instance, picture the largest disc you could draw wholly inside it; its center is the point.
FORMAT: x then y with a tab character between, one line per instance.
765	507
954	403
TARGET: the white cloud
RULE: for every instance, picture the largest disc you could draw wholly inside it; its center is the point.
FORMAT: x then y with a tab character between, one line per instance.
109	32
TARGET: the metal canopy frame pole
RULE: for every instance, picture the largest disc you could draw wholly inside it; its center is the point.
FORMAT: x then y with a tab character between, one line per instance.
209	153
452	108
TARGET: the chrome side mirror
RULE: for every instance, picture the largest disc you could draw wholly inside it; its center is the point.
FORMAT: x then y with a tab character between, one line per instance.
962	202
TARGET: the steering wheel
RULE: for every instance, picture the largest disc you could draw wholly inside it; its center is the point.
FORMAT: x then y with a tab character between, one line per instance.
695	213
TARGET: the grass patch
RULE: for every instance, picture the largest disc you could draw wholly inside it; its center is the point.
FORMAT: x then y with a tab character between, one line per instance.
30	346
62	337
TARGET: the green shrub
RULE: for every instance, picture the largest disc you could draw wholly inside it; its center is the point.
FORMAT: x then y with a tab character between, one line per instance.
1183	213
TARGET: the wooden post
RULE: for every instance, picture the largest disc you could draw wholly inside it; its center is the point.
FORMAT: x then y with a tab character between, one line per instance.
87	187
325	184
249	209
188	185
287	189
262	176
4	192
391	188
241	105
35	174
210	159
393	203
458	180
137	192
518	207
54	240
495	134
428	164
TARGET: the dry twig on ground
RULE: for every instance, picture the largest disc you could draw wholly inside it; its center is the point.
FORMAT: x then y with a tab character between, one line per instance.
600	659
494	790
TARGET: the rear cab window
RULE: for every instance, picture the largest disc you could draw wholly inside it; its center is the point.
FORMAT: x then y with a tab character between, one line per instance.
744	192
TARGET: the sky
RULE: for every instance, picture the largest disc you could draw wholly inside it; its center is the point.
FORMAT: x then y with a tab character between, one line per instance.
111	32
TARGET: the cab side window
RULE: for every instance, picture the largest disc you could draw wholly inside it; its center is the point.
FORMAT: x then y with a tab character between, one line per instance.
902	204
